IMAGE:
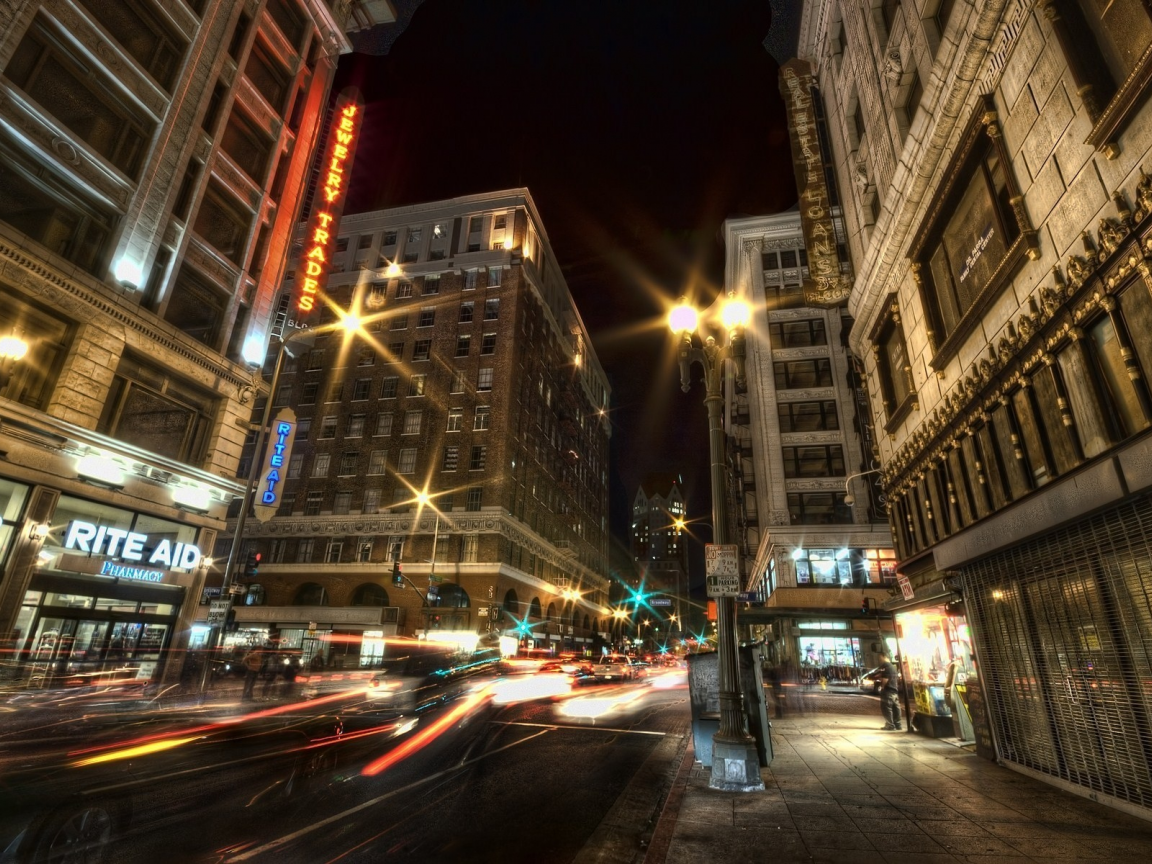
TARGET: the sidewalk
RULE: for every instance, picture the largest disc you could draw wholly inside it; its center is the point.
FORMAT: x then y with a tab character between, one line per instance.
841	791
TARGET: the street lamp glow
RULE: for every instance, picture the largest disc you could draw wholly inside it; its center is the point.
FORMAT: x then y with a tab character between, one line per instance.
392	271
735	314
683	318
254	350
13	348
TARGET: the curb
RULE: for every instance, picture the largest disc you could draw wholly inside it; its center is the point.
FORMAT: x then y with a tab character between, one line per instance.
666	825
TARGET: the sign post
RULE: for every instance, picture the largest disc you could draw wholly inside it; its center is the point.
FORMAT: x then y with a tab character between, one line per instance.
218	612
722	569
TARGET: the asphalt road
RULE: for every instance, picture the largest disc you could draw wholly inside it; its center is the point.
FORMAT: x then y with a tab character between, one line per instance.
510	773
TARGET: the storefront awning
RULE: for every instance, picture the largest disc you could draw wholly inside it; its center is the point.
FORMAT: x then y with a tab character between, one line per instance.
930	594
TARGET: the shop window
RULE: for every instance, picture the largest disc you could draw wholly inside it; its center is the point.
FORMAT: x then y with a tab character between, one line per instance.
223	222
797	334
807	416
967	249
78	96
149	407
32	379
823	566
196	306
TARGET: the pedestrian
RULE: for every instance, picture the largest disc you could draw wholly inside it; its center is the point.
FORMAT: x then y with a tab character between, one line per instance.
253	663
889	693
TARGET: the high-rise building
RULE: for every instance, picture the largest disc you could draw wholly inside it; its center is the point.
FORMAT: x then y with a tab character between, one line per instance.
152	159
994	157
475	384
812	533
659	542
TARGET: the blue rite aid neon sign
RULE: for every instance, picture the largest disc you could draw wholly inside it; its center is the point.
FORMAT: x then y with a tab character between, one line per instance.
128	546
269	489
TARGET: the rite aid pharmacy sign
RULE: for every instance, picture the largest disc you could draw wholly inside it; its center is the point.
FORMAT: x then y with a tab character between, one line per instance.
127	549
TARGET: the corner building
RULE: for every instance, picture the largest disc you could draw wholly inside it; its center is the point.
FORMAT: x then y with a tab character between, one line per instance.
1001	218
819	564
477	383
152	158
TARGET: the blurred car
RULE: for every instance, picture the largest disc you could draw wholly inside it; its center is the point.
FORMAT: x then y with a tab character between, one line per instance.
614	667
420	679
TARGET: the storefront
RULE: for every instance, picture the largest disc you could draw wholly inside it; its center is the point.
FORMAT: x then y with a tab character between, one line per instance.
105	595
937	658
326	637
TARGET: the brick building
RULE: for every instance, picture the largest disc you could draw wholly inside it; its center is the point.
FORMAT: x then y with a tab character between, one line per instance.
476	384
152	158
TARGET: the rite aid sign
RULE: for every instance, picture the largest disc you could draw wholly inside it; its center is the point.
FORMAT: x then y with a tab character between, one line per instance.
116	543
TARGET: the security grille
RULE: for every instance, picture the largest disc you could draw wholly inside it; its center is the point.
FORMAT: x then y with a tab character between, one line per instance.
1064	629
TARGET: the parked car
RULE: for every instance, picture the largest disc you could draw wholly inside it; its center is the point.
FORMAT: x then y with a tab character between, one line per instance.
614	667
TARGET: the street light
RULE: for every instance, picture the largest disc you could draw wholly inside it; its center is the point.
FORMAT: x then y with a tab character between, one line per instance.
735	762
848	499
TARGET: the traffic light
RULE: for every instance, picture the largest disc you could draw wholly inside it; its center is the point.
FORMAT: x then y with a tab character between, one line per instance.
252	565
397	576
865	605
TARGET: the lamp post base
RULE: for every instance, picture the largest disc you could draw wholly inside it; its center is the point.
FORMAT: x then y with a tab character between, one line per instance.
735	766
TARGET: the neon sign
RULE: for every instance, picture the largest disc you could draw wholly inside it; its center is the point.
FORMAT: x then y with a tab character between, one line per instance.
129	546
269	490
325	222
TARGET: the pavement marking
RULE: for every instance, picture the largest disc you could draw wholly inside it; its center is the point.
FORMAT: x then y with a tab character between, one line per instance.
578	726
308	829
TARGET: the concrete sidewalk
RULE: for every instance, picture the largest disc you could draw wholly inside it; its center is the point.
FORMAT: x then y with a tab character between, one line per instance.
844	792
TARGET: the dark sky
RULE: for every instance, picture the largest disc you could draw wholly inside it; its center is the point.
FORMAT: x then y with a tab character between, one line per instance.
638	127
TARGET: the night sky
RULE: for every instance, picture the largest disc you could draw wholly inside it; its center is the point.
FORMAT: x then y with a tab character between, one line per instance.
638	127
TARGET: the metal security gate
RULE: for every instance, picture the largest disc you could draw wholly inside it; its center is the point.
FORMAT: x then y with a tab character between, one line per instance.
1064	630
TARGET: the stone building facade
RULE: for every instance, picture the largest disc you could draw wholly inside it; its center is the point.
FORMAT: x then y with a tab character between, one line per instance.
797	433
999	216
152	159
475	383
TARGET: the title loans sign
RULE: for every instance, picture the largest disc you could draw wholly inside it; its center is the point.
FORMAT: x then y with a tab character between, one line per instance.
825	285
269	489
335	171
129	546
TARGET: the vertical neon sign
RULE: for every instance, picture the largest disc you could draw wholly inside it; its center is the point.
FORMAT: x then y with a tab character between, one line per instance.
335	172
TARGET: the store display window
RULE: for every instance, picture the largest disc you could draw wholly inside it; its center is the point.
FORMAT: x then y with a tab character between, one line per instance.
937	655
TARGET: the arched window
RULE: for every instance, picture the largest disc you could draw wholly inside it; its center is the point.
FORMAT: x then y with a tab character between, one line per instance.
370	594
255	595
575	618
511	603
452	596
551	611
534	610
310	594
586	623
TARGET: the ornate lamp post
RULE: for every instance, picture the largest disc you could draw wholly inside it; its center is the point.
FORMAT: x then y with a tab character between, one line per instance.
735	763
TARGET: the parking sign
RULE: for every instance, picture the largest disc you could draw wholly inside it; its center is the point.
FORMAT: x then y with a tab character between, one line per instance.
722	569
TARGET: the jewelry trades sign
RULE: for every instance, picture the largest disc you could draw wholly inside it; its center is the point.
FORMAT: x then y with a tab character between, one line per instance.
825	285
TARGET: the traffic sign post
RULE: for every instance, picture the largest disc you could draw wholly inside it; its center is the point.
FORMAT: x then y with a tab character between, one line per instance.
660	601
722	569
218	612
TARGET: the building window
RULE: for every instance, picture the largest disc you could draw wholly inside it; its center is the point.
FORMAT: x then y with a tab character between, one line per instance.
431	285
913	97
403	292
427	317
335	548
463	345
320	464
399	322
371	502
407	462
967	248
488	344
314	360
303	427
814	461
342	504
389	239
893	366
495	276
361	388
416	385
818	508
455	419
388	387
412	422
484	380
799	374
355	426
451	458
823	566
491	309
858	124
152	409
328	426
459	381
348	462
366	356
479	457
797	334
295	466
474	499
481	417
470	279
196	307
395	352
421	350
283	394
467	311
305	547
48	338
223	222
308	393
335	392
807	416
312	505
378	462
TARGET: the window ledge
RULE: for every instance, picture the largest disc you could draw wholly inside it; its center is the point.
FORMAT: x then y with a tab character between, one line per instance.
1129	97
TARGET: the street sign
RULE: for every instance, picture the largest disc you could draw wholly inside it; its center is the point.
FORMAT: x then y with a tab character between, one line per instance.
722	569
660	601
218	611
482	611
747	597
905	587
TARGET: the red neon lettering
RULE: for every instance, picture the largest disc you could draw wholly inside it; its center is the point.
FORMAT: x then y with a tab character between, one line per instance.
310	286
305	304
344	137
332	180
340	151
325	219
316	253
312	268
330	195
349	110
346	124
336	165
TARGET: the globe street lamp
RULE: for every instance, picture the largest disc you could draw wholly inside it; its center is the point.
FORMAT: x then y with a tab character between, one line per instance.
735	762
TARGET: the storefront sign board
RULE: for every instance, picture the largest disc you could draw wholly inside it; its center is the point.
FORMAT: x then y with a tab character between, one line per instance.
905	587
116	543
271	486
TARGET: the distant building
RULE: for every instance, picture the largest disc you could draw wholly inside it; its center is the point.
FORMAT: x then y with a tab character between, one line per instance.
659	542
796	435
478	385
152	158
